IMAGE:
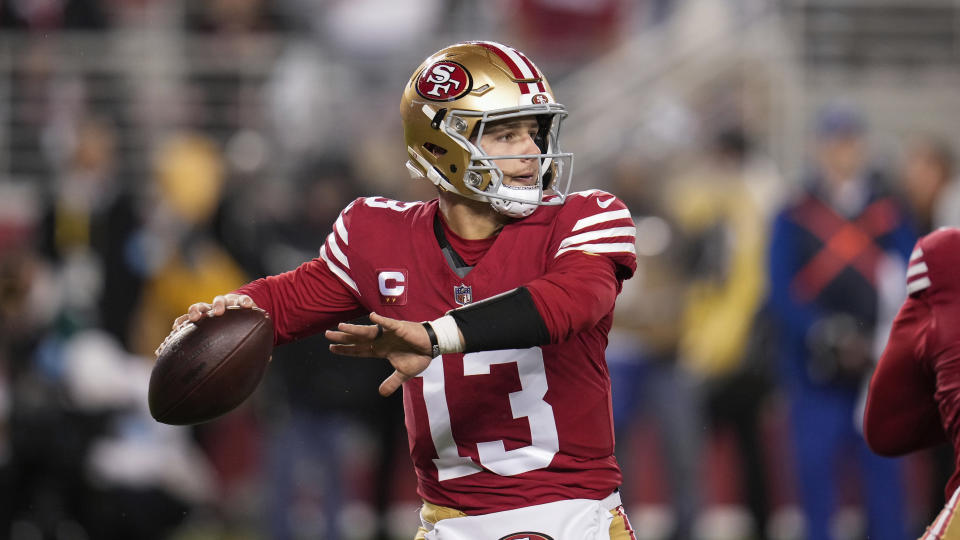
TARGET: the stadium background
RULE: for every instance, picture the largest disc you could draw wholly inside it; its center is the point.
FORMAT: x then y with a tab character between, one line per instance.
156	152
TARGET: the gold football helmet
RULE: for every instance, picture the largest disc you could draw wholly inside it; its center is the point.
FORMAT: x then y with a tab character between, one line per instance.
449	101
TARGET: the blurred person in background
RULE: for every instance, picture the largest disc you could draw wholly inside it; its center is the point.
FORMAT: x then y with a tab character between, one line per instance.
231	18
835	249
108	462
90	232
181	258
181	255
26	280
536	271
46	15
571	29
928	178
721	206
913	399
647	381
86	217
318	403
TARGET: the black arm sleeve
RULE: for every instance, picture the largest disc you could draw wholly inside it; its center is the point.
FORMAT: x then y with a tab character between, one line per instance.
506	321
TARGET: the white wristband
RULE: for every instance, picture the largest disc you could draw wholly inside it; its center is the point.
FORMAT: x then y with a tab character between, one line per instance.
448	334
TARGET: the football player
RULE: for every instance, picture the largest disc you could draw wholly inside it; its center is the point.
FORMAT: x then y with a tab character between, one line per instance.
914	396
492	302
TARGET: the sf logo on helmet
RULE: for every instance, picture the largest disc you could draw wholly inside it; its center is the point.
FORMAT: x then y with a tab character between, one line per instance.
444	81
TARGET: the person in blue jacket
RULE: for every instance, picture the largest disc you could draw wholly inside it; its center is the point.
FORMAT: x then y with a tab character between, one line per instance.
835	248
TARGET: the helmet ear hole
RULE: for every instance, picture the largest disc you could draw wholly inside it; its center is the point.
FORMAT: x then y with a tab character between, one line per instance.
434	149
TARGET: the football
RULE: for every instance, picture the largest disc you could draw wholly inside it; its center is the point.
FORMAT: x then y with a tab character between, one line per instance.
208	368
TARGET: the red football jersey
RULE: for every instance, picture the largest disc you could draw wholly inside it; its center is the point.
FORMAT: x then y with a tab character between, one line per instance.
914	397
492	430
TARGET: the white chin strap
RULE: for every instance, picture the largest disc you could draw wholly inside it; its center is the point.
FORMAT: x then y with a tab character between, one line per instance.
530	195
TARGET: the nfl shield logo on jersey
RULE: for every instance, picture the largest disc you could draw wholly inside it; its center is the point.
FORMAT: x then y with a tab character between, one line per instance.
463	294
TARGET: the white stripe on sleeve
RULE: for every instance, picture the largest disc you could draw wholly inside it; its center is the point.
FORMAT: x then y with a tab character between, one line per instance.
918	268
341	229
335	249
340	273
596	235
601	218
624	247
918	285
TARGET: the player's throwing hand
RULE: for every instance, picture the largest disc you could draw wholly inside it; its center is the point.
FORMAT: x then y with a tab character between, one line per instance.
405	344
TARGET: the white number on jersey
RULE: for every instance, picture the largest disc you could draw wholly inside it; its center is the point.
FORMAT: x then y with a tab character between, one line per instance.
527	402
387	203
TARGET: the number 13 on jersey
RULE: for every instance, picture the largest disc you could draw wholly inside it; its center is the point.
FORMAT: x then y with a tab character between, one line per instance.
527	402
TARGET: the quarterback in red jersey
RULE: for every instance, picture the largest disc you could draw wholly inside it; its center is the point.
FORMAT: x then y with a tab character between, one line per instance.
914	397
492	302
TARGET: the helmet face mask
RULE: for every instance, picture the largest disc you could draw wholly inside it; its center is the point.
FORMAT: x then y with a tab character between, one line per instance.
484	178
454	98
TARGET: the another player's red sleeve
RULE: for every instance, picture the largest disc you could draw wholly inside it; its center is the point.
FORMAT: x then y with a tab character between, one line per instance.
901	415
576	293
303	301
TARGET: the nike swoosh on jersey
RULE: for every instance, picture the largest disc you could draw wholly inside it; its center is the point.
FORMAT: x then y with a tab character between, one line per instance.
606	203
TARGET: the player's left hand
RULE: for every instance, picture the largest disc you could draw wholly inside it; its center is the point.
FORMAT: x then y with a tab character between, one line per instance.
404	344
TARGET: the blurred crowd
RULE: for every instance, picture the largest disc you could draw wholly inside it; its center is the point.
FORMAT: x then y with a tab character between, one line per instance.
739	352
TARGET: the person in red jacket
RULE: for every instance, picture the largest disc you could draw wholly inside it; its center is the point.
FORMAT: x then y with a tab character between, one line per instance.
492	302
914	396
